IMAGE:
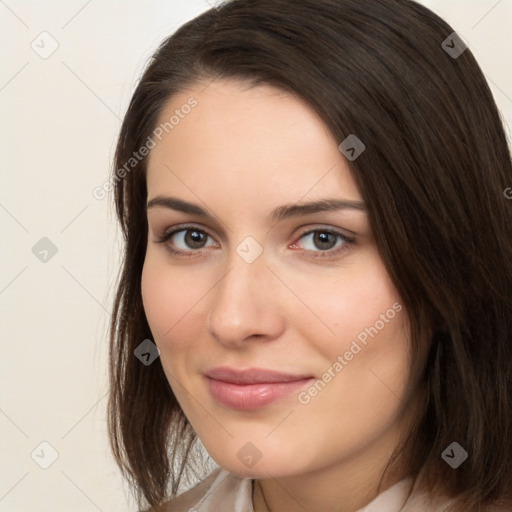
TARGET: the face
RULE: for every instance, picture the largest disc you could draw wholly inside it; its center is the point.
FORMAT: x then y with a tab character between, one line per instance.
256	287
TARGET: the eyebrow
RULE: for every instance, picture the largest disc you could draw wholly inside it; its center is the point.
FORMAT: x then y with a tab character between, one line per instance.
278	214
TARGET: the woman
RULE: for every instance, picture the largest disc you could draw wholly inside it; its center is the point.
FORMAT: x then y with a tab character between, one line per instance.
317	278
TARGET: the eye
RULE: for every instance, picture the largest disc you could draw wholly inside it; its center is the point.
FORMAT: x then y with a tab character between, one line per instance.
324	242
189	240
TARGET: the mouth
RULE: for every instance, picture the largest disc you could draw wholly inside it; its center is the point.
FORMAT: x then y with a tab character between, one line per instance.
252	388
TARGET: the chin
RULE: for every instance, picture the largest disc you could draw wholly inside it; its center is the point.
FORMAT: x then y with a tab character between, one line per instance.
276	466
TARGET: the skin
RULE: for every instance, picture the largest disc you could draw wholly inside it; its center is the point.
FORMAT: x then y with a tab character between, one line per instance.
240	153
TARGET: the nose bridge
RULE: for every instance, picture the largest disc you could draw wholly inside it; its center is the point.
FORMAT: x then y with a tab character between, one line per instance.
242	302
246	266
241	286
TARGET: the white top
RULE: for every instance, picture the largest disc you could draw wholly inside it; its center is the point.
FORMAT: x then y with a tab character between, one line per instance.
224	491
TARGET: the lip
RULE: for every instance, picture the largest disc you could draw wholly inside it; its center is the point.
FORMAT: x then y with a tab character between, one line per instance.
252	388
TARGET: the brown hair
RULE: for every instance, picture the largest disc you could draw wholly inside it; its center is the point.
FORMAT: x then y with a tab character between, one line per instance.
433	176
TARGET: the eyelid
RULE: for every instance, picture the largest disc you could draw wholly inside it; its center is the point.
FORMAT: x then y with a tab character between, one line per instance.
309	229
320	227
183	227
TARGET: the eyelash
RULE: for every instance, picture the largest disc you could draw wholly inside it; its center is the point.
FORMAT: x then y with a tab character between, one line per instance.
348	241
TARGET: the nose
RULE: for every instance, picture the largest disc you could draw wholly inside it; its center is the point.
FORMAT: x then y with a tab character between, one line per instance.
245	304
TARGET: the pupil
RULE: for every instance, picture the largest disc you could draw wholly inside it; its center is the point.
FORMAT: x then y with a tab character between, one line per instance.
321	239
194	237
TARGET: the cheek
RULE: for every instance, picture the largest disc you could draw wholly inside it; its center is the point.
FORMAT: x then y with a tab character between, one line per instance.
165	299
155	297
371	348
172	304
362	305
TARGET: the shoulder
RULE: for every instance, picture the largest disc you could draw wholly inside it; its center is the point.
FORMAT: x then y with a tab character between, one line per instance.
220	489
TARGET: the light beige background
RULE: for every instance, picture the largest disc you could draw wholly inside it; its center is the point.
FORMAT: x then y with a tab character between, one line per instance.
60	116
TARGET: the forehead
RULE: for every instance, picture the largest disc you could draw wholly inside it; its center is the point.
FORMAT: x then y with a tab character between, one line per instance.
259	141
